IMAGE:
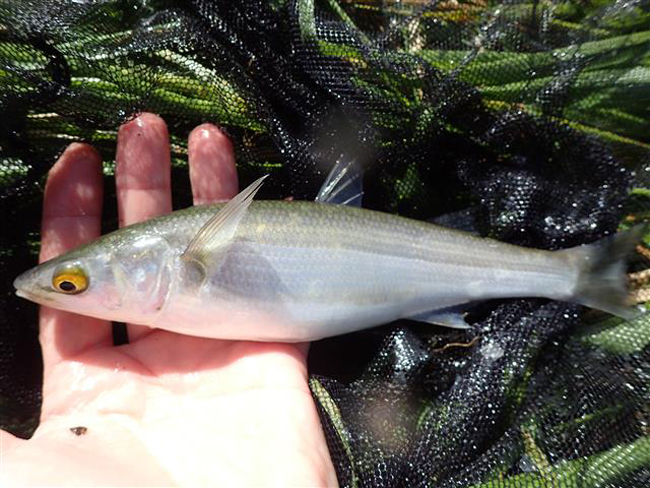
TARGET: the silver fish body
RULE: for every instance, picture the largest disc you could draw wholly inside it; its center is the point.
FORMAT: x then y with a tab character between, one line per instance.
300	271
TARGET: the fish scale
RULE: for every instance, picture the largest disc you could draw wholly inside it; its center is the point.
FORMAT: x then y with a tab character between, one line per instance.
297	271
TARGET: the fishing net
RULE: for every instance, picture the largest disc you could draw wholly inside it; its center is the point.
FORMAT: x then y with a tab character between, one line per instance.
526	121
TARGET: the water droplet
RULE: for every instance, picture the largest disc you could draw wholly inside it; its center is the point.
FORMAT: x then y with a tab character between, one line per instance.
526	464
491	351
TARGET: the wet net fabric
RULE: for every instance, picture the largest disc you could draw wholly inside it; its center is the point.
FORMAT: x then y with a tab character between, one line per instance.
522	121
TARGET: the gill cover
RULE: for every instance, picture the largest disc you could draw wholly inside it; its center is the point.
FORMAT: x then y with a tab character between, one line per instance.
142	273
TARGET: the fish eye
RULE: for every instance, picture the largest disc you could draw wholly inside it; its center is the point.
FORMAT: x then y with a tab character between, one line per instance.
70	279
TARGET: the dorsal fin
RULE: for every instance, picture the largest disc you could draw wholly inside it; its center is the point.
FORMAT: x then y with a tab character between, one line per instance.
220	228
343	185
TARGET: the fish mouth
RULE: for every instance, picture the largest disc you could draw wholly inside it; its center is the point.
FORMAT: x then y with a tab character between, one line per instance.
32	297
20	286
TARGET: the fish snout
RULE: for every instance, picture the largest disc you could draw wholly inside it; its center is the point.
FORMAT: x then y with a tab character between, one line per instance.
25	283
21	281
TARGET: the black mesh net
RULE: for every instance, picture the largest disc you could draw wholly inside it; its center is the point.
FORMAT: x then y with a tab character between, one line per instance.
526	121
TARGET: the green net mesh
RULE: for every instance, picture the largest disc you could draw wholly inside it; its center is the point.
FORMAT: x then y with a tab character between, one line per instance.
526	121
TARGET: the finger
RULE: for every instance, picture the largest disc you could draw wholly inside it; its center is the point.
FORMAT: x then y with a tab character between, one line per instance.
143	167
71	216
213	174
142	177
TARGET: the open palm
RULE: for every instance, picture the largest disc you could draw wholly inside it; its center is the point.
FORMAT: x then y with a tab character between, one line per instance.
165	409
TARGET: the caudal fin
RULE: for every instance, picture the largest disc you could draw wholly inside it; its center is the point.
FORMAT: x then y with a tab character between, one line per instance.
602	282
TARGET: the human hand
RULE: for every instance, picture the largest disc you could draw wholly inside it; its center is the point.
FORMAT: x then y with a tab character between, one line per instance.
165	409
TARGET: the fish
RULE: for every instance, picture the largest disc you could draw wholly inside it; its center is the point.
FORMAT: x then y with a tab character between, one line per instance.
295	271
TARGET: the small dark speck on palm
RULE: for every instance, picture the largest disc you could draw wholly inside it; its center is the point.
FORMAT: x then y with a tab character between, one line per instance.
80	430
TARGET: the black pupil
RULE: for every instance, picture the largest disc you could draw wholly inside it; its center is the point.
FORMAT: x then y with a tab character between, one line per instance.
67	286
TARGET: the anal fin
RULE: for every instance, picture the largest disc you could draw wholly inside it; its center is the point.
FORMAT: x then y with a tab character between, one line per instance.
447	317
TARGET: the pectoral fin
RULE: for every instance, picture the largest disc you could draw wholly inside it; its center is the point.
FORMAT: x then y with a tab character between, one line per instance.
343	185
448	317
220	229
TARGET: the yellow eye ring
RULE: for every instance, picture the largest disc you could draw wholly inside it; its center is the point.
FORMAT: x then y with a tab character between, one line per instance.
70	280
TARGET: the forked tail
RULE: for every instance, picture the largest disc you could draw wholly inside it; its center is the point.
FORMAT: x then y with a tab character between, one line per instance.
602	282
